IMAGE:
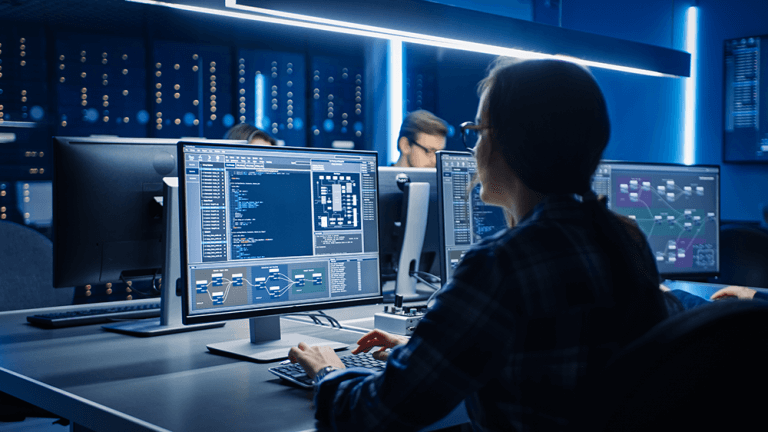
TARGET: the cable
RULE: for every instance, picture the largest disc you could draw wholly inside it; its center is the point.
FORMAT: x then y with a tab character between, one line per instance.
431	298
424	281
319	314
432	278
155	290
329	318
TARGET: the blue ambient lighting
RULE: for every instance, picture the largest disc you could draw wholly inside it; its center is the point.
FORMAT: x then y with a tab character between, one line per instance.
691	41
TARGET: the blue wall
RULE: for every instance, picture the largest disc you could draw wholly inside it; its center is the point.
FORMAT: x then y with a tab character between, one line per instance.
648	113
744	187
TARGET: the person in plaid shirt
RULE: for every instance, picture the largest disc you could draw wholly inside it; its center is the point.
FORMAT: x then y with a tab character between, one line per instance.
531	312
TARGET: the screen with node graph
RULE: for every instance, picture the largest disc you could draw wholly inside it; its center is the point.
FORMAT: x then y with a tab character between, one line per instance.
270	230
676	206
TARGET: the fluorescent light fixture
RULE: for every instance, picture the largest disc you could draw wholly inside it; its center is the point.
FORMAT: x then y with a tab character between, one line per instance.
260	83
395	95
689	135
305	21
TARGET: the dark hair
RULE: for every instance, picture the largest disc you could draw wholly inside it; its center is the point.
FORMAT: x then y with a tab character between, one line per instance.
247	132
549	120
422	121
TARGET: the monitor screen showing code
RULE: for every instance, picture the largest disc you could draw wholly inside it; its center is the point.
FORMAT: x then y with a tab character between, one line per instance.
278	226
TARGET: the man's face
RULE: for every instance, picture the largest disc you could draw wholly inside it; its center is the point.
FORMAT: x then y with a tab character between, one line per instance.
422	150
260	141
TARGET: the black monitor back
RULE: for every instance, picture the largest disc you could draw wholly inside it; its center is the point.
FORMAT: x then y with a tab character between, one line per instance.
391	212
107	211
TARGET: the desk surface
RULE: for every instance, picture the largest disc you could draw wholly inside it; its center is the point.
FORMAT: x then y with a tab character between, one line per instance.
108	381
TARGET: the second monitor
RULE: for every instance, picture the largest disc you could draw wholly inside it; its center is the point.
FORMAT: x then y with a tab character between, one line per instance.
463	217
676	206
393	212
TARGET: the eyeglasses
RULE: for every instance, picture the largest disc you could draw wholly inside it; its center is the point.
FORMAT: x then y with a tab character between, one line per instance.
428	151
470	133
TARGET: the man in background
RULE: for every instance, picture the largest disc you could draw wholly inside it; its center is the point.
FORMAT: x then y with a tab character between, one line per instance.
250	134
421	135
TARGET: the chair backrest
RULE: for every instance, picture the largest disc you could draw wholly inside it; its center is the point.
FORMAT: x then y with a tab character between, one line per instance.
26	270
700	369
743	255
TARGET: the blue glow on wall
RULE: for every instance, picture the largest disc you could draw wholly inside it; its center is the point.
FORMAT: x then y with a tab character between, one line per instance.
395	91
691	41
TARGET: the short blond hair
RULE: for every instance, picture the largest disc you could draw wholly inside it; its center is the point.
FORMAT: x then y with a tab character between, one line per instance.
422	121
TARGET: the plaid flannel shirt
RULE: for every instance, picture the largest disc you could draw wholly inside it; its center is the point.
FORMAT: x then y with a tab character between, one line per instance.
527	315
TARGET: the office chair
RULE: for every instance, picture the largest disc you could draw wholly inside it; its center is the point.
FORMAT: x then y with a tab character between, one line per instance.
743	256
698	370
26	282
26	266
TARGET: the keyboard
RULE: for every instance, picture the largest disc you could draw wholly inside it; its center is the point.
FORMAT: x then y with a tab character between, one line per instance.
95	315
295	373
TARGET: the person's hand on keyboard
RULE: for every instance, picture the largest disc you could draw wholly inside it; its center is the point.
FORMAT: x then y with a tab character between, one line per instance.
314	358
739	292
379	338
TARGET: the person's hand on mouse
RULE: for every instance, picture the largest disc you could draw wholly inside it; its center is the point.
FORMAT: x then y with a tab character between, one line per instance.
379	338
314	358
740	292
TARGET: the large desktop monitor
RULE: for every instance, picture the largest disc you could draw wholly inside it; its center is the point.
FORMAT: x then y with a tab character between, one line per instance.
267	231
676	206
113	204
464	219
107	208
393	211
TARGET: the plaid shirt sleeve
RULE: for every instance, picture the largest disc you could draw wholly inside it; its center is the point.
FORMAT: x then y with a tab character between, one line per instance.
425	379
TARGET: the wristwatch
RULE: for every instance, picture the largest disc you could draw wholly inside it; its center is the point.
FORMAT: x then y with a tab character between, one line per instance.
323	372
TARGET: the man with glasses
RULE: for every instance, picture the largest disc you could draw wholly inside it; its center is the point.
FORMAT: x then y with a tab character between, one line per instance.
421	135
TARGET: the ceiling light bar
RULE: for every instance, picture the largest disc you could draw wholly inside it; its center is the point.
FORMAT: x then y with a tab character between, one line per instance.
305	21
439	41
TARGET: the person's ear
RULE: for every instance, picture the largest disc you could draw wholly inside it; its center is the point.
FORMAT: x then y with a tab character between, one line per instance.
404	146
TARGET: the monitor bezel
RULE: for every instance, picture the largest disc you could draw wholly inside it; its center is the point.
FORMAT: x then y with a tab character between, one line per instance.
219	315
685	275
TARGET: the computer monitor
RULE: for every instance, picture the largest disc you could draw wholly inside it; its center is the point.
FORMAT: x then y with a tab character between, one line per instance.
111	206
676	206
463	217
267	231
392	217
107	208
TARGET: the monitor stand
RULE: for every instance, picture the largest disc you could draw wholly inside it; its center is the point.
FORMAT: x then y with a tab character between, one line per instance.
170	304
266	343
416	203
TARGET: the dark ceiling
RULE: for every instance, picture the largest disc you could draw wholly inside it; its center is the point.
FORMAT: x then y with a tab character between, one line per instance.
119	17
81	14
